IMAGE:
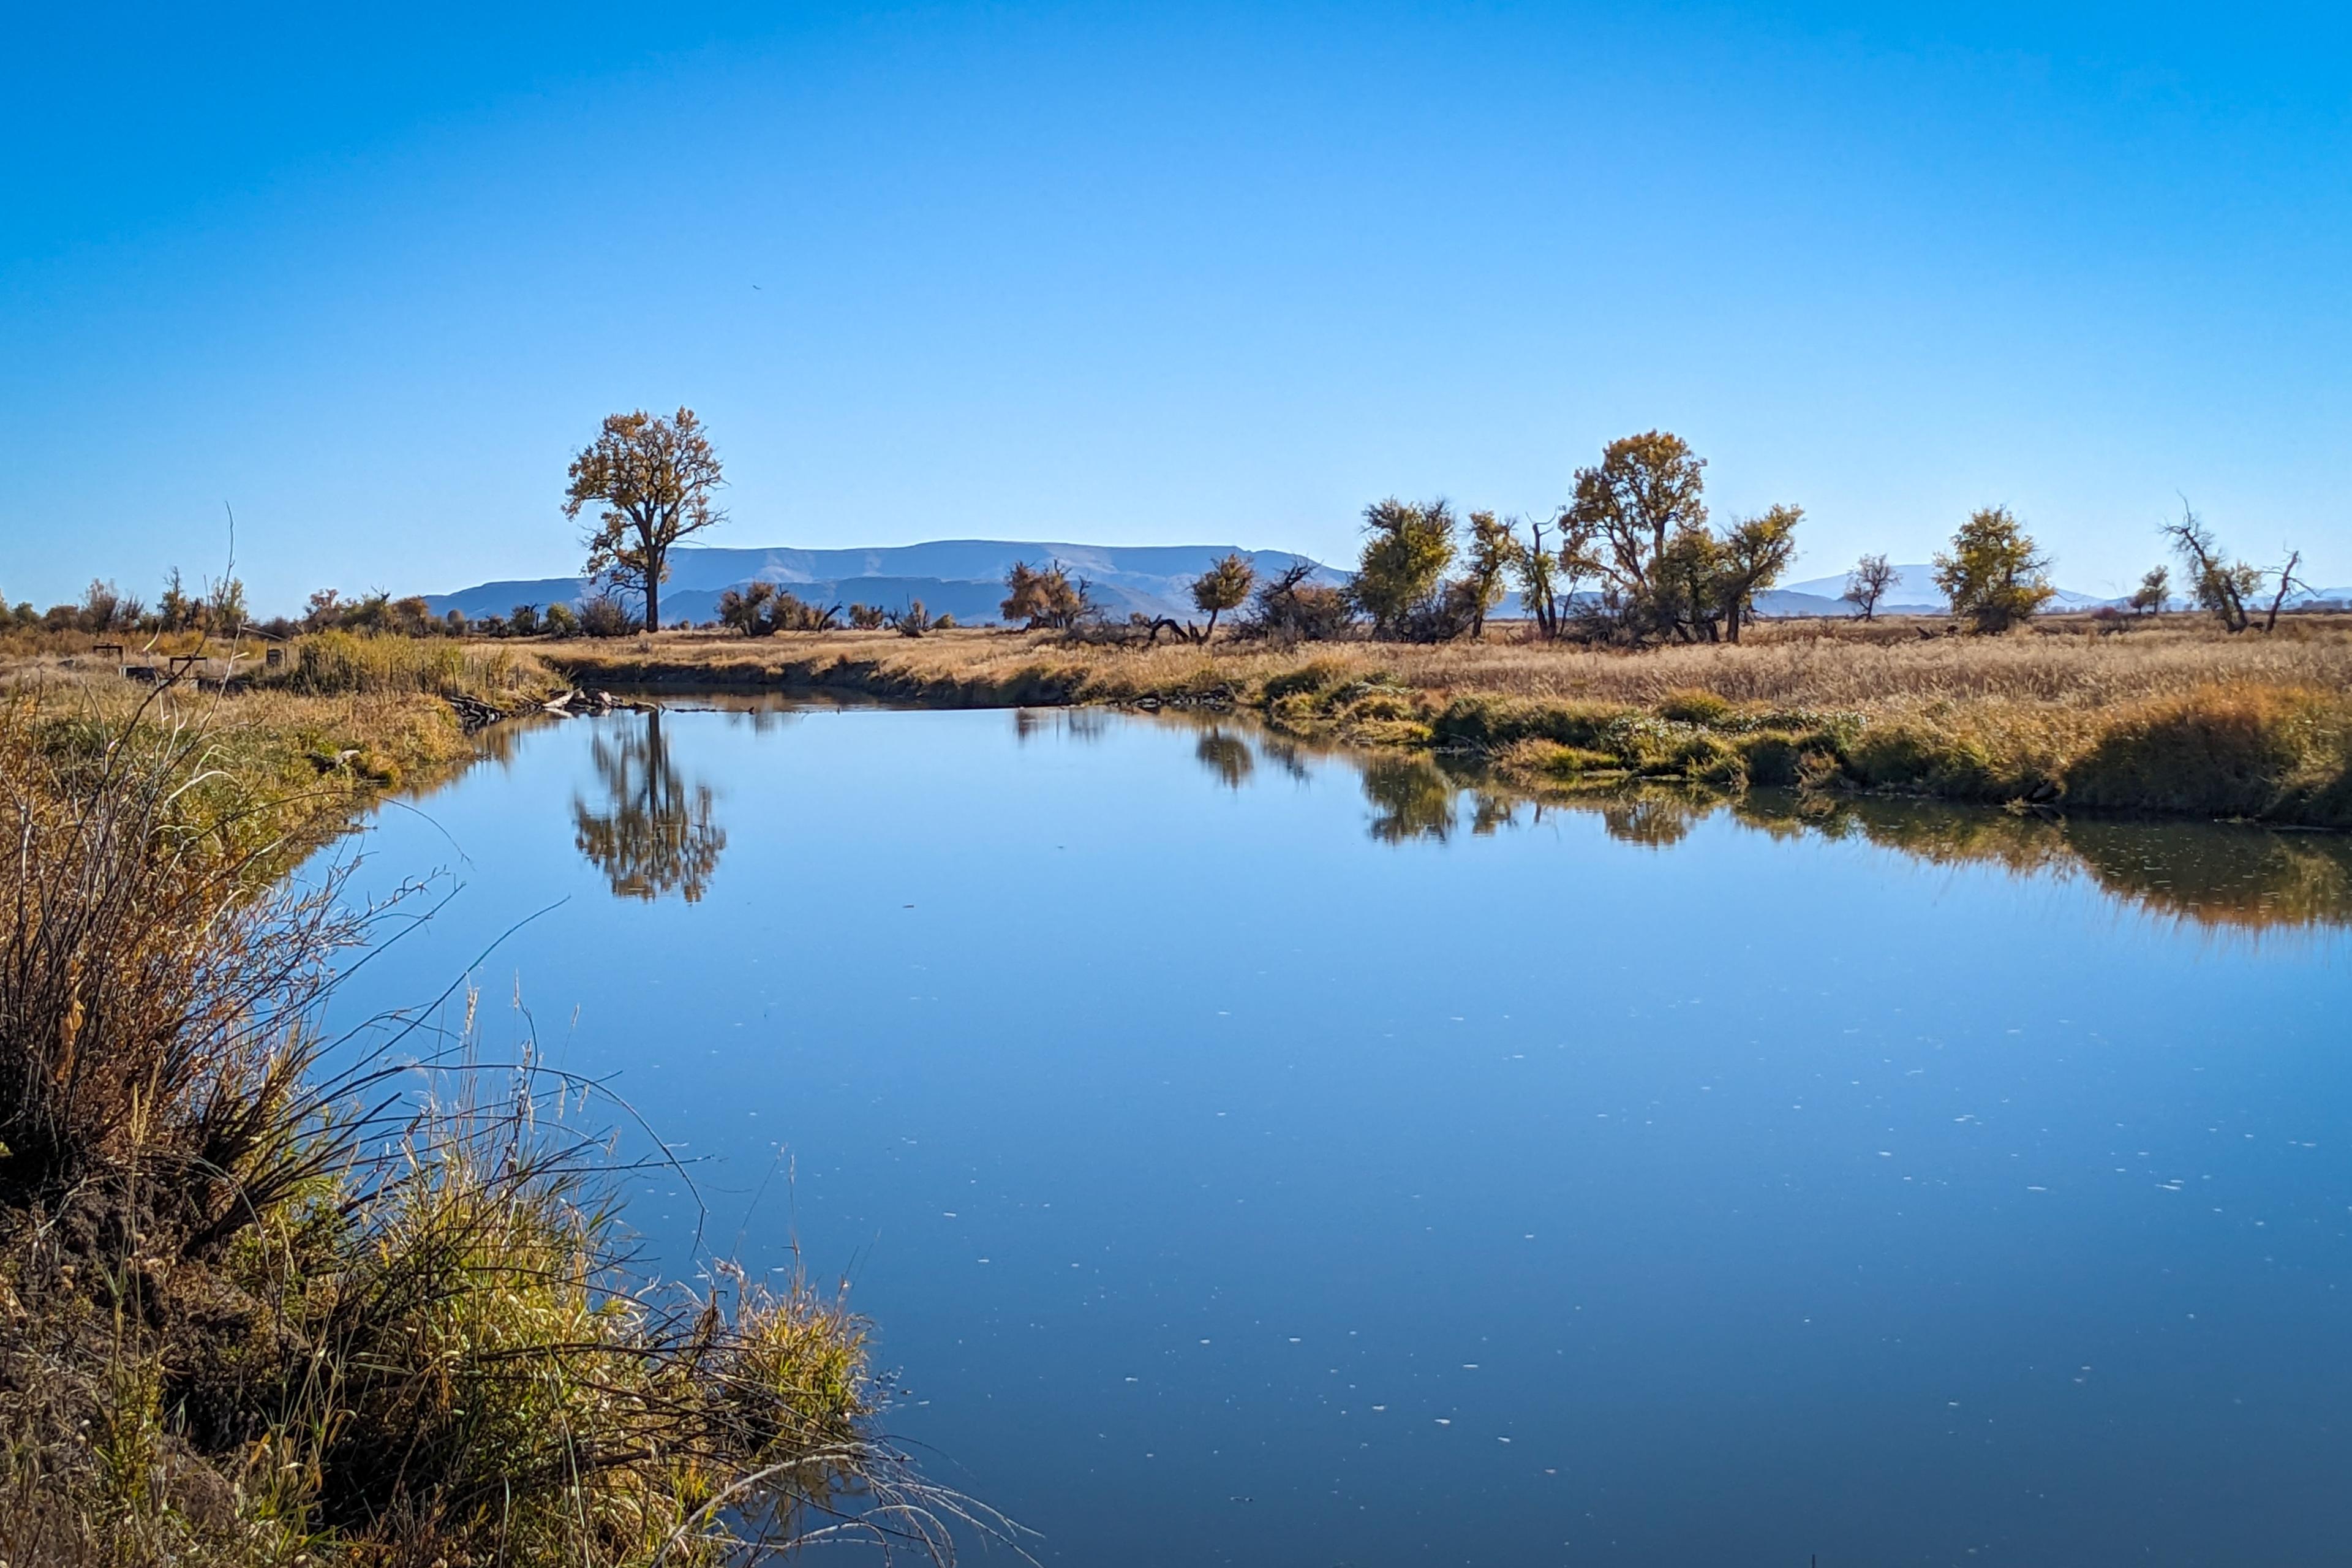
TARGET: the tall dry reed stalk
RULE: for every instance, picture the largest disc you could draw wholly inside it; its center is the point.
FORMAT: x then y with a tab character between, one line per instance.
263	1304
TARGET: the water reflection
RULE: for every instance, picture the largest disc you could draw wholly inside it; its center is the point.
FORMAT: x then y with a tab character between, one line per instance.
1226	756
1411	798
652	834
1075	724
2213	874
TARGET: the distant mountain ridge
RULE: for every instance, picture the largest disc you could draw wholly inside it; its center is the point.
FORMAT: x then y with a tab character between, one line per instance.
965	578
960	577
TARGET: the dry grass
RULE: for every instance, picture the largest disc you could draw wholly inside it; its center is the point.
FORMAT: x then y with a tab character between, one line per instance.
345	720
342	663
2173	717
1791	664
255	1311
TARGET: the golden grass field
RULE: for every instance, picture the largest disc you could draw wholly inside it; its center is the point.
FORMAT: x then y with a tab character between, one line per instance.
2168	717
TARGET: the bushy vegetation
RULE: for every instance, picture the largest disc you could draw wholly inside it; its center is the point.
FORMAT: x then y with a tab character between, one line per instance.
1047	597
256	1310
336	663
1843	705
1995	575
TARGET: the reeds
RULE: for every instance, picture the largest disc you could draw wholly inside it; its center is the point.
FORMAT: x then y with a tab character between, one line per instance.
256	1310
338	663
2174	718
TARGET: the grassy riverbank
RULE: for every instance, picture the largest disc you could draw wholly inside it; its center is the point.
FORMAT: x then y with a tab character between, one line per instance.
2172	718
268	1298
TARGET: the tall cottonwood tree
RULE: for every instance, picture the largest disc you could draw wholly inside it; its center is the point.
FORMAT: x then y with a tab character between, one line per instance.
651	480
1628	508
1750	558
1995	575
1493	551
1406	552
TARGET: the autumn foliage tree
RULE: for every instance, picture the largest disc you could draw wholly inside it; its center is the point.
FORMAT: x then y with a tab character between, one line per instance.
1645	489
650	481
1994	574
1750	558
1638	527
1495	551
2227	589
1225	585
1406	552
1044	598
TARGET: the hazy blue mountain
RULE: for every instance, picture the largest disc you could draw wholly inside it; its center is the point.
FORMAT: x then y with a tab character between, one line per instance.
961	577
965	578
1913	593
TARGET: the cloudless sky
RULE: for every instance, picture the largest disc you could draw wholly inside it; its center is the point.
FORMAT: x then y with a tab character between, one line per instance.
1127	275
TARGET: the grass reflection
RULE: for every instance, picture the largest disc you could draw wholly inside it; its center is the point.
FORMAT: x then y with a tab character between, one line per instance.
2222	875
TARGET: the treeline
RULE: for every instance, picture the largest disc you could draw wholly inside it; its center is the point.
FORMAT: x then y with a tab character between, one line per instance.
217	604
1632	559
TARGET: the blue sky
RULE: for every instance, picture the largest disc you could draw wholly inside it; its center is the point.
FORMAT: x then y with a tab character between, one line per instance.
1130	274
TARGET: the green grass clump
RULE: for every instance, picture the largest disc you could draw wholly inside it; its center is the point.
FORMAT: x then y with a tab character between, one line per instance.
1692	706
1494	722
2274	754
1312	678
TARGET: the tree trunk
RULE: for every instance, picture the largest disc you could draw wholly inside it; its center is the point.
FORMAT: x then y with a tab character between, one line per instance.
653	601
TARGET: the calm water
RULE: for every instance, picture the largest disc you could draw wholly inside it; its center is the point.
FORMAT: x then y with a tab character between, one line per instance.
1269	1157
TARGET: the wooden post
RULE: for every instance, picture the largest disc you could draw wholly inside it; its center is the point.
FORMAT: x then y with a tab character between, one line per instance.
106	648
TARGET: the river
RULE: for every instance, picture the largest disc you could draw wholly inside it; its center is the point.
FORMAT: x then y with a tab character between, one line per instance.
1254	1154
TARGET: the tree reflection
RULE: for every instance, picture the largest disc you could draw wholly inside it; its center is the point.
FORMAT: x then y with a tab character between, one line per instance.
1227	756
1413	796
2215	874
2232	875
1655	821
654	834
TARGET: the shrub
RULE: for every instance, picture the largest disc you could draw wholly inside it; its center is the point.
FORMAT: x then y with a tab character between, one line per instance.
2245	752
1308	679
1994	575
606	617
1694	706
333	664
1291	606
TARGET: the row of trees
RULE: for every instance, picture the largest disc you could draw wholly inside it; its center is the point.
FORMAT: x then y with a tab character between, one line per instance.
218	605
761	609
2229	591
1632	558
